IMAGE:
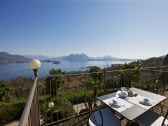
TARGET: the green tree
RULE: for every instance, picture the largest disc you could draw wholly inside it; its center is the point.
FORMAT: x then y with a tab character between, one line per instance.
131	65
56	72
5	91
96	75
54	82
2	90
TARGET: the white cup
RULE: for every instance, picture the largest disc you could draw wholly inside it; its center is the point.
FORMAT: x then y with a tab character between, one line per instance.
146	100
114	102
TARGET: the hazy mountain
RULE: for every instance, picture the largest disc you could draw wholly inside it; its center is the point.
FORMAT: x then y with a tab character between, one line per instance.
105	58
40	57
59	58
155	61
84	57
77	57
9	58
73	57
109	58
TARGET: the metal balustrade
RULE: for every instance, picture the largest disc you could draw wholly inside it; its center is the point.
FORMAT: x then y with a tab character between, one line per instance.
68	92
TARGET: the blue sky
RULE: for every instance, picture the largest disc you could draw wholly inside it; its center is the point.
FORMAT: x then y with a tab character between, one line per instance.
119	28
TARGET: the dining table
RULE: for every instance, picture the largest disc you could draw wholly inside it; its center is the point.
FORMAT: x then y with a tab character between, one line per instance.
131	107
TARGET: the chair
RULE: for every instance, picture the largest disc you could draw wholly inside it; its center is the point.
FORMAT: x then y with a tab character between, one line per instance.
152	118
103	117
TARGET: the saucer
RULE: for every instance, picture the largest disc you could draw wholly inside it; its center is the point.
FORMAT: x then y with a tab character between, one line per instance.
145	102
114	104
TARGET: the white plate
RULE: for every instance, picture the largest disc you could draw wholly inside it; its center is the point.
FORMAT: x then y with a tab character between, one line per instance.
145	102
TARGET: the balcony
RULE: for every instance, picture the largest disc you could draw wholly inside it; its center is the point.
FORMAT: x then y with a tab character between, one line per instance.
62	99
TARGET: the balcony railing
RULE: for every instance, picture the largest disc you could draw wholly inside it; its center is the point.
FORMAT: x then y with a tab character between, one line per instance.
30	115
68	93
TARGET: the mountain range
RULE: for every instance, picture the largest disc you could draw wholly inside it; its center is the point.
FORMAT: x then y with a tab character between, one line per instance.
78	57
9	58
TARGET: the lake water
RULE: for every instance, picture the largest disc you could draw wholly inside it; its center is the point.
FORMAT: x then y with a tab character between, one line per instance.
13	70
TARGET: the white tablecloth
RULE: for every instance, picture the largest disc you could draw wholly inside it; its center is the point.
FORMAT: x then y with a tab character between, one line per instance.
120	104
136	100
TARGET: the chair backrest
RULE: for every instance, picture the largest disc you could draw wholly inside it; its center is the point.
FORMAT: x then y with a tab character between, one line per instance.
89	102
162	90
94	119
165	117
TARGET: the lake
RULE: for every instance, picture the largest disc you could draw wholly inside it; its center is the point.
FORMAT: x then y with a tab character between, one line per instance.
13	70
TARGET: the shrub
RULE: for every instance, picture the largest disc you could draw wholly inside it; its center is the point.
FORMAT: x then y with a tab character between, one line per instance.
10	112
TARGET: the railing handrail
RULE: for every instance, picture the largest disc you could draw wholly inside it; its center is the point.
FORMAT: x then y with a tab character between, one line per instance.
25	115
